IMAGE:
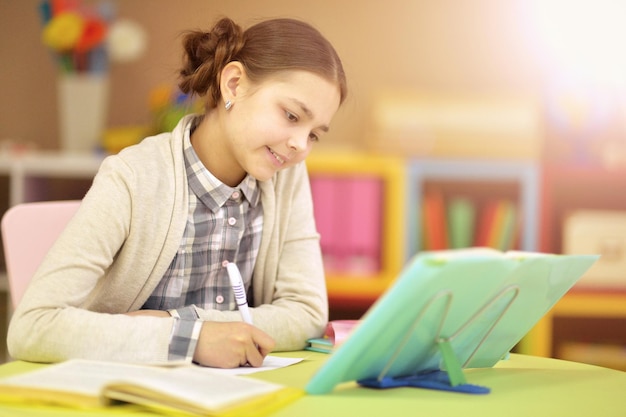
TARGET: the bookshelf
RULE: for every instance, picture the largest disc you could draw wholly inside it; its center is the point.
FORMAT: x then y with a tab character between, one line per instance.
570	187
597	314
404	183
518	180
358	289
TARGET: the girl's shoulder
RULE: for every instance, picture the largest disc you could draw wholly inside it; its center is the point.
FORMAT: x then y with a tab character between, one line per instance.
151	144
166	147
151	152
150	162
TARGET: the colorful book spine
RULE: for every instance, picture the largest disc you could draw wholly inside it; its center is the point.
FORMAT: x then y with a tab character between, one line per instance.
508	227
497	225
461	222
485	225
434	221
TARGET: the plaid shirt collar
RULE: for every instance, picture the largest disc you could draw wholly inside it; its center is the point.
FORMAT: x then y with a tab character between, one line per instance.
212	192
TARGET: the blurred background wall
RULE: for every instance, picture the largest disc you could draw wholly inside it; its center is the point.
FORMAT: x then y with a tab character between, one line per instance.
534	48
460	46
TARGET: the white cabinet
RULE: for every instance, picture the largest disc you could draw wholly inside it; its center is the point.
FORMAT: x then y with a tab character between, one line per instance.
41	176
28	174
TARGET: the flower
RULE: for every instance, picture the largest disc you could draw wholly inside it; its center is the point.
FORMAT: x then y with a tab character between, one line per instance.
85	38
126	41
63	31
94	33
168	105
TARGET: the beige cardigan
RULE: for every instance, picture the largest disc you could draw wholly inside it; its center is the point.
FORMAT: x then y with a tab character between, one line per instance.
120	243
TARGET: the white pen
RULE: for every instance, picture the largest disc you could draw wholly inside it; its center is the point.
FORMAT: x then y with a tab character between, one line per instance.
240	293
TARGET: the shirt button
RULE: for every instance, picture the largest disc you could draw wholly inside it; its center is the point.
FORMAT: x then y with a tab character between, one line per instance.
232	221
219	299
235	195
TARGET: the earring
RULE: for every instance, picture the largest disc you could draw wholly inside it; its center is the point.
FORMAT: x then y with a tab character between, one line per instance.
228	105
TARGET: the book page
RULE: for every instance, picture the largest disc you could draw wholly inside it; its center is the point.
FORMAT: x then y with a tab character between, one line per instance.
269	363
70	382
75	376
192	387
76	383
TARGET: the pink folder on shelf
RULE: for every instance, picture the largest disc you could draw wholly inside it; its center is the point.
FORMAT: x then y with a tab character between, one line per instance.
363	217
324	192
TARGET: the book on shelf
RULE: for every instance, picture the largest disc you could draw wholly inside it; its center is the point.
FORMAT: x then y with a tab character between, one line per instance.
363	217
435	229
497	225
187	389
461	216
506	230
485	224
324	190
348	215
457	222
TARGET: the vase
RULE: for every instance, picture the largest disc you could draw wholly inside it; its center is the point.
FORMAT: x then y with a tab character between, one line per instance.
83	108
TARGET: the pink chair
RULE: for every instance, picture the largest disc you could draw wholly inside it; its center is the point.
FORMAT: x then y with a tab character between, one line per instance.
28	232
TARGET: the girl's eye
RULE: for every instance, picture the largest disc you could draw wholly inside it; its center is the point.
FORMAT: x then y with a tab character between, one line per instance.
291	117
314	138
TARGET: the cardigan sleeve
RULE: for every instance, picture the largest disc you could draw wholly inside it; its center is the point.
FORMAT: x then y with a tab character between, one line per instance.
97	270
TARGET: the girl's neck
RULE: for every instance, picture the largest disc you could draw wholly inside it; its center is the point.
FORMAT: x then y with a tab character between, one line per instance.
210	144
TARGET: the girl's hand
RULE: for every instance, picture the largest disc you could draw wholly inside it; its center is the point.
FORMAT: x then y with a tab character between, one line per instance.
231	344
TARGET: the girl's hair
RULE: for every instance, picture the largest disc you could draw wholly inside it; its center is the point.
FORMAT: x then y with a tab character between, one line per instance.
264	49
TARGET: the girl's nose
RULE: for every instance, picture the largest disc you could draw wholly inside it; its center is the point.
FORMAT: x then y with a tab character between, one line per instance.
298	142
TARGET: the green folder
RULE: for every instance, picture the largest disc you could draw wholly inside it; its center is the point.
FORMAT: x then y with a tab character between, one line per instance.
461	219
471	305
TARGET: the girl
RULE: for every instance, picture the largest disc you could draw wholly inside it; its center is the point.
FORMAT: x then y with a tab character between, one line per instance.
139	273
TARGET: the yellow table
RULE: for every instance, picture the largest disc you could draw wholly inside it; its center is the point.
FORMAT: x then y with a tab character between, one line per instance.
521	386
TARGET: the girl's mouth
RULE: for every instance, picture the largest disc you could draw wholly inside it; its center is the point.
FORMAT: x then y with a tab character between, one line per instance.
277	156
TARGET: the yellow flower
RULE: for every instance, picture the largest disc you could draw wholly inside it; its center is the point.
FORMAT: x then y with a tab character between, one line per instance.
63	31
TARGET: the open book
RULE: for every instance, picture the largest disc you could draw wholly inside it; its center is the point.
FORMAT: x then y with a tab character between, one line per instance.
199	391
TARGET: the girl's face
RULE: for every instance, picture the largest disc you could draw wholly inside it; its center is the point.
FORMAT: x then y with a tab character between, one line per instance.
274	125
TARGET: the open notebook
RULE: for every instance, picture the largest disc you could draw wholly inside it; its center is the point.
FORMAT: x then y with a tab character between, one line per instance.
450	310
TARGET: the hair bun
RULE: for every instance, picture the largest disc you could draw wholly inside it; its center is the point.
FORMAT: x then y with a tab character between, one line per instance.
264	49
205	54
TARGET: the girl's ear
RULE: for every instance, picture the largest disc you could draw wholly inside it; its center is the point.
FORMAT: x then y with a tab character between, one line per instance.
232	81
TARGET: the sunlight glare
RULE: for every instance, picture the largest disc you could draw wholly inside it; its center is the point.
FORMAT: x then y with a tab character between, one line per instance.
584	37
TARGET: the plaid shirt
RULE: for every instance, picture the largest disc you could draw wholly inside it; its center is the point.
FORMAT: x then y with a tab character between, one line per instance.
224	225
